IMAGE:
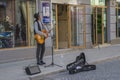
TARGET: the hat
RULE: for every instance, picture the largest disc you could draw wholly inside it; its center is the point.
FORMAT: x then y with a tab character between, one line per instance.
36	15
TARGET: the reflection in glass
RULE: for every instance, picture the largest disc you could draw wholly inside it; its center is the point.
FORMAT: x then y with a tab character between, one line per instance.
54	24
14	24
31	12
21	28
21	24
118	22
77	26
99	25
105	25
6	24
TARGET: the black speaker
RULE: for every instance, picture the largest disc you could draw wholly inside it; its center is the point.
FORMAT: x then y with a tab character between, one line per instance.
31	70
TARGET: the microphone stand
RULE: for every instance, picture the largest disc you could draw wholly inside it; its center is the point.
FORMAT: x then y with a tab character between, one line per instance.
52	63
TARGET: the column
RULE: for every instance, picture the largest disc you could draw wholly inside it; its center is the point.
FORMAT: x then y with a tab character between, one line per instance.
88	21
111	20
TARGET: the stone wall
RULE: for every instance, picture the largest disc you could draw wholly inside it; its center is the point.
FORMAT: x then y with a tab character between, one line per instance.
111	20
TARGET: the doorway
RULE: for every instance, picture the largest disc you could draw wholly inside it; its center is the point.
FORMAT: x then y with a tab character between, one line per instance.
99	25
69	26
62	26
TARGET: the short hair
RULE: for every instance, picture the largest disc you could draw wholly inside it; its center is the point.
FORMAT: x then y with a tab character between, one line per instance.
36	16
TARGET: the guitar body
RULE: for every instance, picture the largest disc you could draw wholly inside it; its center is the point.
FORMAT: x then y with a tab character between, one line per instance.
40	38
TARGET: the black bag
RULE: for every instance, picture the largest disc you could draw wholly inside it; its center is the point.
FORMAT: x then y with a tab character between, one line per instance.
79	65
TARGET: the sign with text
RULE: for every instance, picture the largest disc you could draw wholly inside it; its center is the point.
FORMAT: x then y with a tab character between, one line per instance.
46	12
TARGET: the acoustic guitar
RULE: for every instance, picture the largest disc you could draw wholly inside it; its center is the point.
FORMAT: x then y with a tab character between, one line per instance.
41	38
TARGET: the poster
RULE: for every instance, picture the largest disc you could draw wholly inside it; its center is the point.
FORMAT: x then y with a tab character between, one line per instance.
46	12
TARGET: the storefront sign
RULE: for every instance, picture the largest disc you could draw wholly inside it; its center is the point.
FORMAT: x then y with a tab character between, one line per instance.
46	12
65	1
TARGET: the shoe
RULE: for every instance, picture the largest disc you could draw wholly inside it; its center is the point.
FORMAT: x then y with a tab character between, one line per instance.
42	62
39	63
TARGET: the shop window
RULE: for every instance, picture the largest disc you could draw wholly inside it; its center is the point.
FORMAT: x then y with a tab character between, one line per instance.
14	29
22	28
6	24
77	26
118	20
21	23
31	21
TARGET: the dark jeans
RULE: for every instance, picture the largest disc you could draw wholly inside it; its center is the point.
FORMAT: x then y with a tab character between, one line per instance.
40	52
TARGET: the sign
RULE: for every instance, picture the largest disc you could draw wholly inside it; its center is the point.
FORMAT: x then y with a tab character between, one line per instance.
46	12
65	1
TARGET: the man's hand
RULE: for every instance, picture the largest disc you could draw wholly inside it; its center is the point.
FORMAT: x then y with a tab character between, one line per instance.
44	35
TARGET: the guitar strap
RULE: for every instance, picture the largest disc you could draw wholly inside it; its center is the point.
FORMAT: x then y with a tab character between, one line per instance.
39	28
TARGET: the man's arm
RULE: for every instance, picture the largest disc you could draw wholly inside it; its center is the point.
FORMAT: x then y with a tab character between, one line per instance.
36	29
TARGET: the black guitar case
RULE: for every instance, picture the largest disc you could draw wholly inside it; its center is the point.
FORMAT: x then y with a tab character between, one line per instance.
80	65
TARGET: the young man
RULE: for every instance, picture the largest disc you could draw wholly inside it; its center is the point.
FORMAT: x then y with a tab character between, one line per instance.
38	27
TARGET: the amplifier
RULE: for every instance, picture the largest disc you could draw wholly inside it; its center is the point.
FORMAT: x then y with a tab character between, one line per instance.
31	70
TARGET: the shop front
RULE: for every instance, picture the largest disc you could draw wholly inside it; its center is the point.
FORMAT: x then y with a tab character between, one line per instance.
16	29
104	22
68	19
75	23
69	24
99	22
16	23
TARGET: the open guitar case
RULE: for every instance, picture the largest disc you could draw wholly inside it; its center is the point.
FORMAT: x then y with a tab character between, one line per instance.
80	65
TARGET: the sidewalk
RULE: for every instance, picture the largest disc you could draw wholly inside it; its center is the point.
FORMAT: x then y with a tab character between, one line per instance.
15	70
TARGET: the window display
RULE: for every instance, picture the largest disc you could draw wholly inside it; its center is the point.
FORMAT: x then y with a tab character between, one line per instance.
14	29
21	23
6	26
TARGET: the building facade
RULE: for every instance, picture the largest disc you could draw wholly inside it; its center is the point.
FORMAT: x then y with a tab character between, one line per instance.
75	24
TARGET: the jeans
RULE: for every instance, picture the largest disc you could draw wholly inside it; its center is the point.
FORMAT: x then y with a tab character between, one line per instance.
40	52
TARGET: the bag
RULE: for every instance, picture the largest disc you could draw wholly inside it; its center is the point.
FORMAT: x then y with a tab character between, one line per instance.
80	65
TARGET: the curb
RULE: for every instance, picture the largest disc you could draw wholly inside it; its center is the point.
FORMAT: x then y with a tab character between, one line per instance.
41	76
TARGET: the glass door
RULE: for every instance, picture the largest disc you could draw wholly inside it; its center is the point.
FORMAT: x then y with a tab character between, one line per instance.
31	5
118	20
62	13
68	23
77	26
99	25
55	25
